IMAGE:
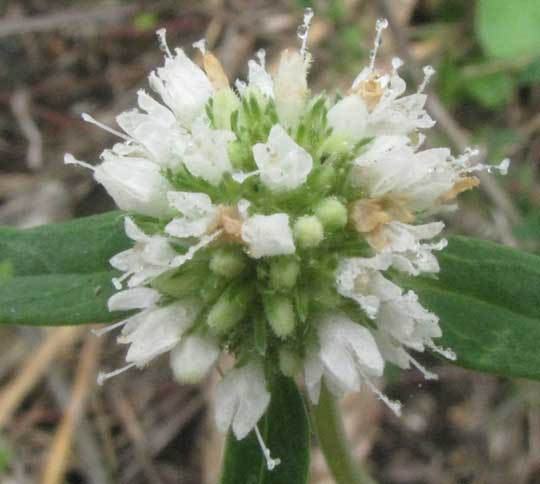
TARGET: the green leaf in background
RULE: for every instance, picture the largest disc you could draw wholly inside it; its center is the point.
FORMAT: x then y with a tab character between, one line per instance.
491	91
507	28
285	430
60	274
488	299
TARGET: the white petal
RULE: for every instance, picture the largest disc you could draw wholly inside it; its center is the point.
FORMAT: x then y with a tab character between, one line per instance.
135	184
158	333
313	372
290	87
260	79
198	214
241	399
183	86
283	164
138	298
207	153
268	235
193	357
349	117
133	231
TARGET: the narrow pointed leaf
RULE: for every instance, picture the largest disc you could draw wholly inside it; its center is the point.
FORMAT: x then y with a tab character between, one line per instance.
488	299
285	429
59	273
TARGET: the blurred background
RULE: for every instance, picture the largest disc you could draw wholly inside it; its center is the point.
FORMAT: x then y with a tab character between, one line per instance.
59	59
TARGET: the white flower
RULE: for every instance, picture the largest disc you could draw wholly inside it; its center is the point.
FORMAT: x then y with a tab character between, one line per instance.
135	184
361	280
241	399
151	332
198	214
392	165
193	358
283	165
183	86
349	117
408	253
136	298
391	114
156	331
259	78
149	257
157	131
347	357
290	87
206	153
268	235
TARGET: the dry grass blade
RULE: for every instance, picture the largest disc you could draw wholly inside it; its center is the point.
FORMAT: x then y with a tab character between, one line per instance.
57	461
30	374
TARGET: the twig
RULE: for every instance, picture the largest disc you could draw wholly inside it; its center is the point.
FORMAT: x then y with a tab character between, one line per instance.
30	374
58	459
127	416
20	106
72	18
457	136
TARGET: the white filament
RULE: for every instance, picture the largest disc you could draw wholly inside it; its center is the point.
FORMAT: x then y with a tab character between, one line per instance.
271	464
380	25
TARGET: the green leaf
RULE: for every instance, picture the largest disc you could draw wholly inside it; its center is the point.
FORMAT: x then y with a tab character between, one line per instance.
285	430
60	273
487	297
492	90
57	299
80	246
508	28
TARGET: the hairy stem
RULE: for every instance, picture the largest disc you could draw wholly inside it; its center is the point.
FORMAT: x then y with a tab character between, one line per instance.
333	441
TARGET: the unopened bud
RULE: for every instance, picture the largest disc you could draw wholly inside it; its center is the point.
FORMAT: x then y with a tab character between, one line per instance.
308	232
289	363
279	311
332	214
228	262
229	309
284	272
225	102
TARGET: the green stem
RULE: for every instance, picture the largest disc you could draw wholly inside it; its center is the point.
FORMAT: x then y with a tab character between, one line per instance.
333	441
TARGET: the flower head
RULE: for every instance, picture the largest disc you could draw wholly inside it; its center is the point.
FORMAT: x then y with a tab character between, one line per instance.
271	223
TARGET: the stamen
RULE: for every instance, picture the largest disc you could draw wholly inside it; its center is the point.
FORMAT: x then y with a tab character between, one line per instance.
69	159
162	38
428	74
91	120
271	464
380	25
446	352
396	64
205	240
261	55
428	375
108	329
102	377
242	176
303	30
117	281
393	405
200	45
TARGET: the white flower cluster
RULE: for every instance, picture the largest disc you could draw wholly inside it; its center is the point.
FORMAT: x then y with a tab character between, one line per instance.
265	203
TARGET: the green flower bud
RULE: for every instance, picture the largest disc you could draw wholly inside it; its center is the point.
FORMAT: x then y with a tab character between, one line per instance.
228	262
284	272
324	178
289	364
279	311
332	213
225	102
229	309
308	232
